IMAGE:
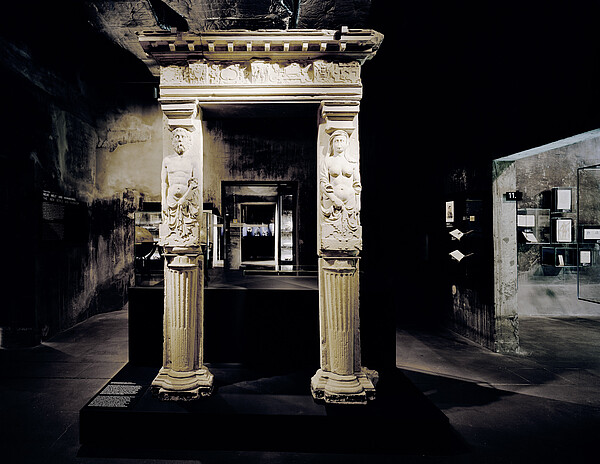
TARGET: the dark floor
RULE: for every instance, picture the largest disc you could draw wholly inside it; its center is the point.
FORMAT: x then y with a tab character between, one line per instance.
542	405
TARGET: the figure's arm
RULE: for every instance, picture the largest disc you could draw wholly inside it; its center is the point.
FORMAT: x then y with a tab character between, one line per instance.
192	184
326	187
356	176
357	185
324	178
164	185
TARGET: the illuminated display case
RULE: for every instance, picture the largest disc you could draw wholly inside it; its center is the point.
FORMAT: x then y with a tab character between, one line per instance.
533	225
148	255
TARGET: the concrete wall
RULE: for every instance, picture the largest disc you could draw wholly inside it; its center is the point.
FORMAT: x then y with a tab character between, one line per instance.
130	151
504	237
72	132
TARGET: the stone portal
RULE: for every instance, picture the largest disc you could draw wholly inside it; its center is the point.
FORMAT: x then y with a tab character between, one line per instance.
200	70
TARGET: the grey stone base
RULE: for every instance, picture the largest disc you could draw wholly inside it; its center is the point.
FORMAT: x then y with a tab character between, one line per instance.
172	385
357	388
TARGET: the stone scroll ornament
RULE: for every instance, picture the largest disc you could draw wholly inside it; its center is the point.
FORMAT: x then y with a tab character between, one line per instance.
340	187
180	194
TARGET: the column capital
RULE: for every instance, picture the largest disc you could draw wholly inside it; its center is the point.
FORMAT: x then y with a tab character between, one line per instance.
338	115
181	113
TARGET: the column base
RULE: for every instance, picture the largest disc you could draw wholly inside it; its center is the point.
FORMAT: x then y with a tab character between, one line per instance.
170	385
357	388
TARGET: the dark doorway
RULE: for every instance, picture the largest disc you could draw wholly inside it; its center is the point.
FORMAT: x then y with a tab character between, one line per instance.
260	220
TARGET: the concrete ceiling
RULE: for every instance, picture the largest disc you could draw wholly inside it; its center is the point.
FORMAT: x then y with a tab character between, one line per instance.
123	20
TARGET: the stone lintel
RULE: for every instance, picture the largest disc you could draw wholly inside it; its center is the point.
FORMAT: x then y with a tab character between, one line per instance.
207	97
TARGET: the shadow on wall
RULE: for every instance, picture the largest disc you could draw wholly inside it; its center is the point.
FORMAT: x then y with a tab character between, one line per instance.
86	274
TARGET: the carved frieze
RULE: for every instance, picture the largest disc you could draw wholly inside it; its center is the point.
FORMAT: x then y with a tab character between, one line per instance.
329	72
259	72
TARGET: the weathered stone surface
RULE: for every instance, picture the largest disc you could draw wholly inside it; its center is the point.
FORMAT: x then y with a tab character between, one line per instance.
75	253
238	14
121	130
122	21
332	14
126	136
506	336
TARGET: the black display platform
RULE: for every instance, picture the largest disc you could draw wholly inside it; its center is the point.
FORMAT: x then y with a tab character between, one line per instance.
262	327
253	410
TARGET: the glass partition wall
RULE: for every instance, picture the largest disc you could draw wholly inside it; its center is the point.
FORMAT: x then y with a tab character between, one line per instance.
588	220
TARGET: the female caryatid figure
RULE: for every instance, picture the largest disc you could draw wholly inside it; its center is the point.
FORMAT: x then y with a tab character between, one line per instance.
340	186
180	195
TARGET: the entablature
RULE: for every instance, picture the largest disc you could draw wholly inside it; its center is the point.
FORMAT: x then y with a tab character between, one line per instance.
169	48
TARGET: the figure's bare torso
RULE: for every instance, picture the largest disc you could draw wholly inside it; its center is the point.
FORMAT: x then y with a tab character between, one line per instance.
179	171
341	177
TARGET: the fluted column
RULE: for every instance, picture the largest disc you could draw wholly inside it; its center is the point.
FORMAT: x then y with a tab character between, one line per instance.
182	375
341	378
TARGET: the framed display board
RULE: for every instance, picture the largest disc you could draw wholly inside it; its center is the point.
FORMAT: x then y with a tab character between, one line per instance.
450	215
562	230
562	199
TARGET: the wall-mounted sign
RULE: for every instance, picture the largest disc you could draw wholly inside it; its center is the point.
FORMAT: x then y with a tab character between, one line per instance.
62	217
514	196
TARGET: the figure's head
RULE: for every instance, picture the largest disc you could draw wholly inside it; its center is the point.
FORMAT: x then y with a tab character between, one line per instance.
338	142
181	140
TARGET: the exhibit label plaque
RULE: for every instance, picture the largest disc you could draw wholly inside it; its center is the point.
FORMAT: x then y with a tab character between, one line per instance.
118	395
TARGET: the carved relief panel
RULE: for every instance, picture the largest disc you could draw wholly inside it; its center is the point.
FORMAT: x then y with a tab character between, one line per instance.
339	180
181	193
260	72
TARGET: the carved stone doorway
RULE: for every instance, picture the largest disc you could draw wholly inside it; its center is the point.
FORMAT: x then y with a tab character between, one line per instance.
200	72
